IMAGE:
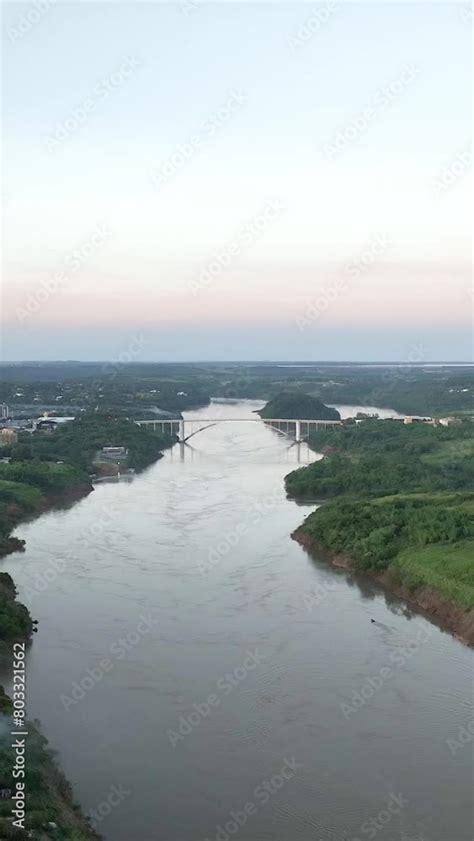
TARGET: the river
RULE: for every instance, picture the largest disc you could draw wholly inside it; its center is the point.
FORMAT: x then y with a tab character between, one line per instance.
195	657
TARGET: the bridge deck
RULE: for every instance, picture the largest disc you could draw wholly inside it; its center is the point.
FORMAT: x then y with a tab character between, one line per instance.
178	427
240	420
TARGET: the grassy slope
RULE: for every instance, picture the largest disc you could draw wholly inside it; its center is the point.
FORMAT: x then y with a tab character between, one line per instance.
446	568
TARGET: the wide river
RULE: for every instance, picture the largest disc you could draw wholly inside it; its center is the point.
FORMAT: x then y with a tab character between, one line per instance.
193	656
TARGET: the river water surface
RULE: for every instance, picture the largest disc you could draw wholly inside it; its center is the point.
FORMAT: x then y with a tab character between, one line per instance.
232	655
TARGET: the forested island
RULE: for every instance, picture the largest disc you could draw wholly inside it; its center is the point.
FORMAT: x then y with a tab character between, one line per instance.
293	405
398	504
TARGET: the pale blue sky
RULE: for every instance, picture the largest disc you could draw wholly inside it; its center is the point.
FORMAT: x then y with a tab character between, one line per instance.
272	146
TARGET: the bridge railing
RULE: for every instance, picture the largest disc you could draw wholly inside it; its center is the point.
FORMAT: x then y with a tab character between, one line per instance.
293	427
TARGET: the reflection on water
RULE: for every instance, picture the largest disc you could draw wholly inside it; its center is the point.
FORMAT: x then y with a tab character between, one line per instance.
239	670
296	453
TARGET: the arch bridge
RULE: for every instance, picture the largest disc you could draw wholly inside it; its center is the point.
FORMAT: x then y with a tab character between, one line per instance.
185	428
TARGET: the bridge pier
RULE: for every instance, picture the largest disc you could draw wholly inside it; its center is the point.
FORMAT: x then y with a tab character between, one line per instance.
181	435
298	438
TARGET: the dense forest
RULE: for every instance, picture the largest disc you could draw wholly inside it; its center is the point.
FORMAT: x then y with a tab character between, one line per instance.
291	405
76	443
401	502
138	388
25	489
387	457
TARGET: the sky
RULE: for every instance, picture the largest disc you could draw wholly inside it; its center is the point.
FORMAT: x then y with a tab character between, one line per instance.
189	180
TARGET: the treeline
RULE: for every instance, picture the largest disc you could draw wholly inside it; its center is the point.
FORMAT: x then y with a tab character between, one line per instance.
77	442
297	405
401	501
15	621
377	458
416	438
45	469
25	488
46	477
140	387
373	532
116	388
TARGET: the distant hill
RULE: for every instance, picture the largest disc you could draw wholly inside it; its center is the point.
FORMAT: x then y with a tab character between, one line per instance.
291	405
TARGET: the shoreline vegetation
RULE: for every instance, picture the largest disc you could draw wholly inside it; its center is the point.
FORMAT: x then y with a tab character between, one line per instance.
51	813
48	469
292	406
397	506
45	471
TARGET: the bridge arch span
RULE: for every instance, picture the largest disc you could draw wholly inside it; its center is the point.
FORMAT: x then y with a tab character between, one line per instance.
289	427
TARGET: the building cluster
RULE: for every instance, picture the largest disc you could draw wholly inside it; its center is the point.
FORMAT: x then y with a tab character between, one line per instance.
114	453
8	437
450	421
49	424
410	419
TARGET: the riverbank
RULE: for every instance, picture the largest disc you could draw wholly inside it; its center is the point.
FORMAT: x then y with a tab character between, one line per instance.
446	614
27	491
198	545
398	507
51	813
47	472
19	503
